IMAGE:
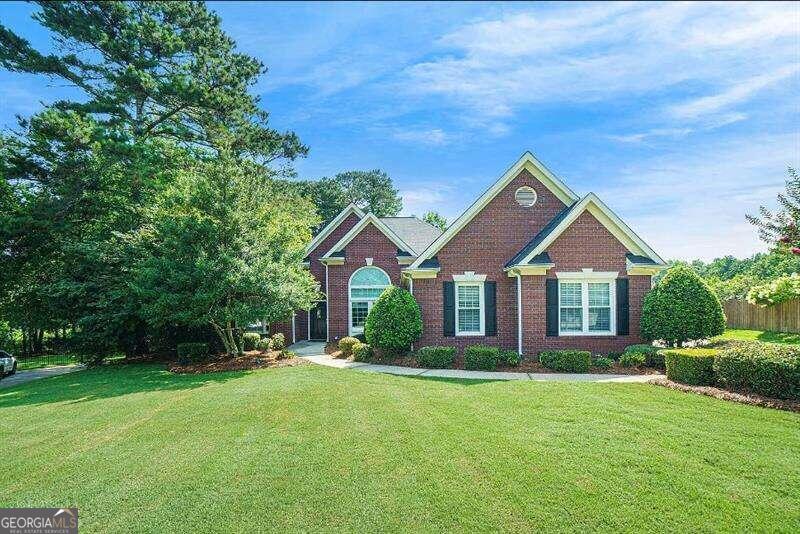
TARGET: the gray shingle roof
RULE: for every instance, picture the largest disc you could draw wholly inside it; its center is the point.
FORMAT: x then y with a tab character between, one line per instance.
417	233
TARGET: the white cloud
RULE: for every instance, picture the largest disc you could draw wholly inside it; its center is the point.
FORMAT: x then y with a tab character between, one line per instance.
432	136
595	52
733	95
653	133
422	197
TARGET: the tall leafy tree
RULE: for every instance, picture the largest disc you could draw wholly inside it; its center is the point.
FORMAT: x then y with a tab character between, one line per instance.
224	249
434	219
161	85
782	227
372	191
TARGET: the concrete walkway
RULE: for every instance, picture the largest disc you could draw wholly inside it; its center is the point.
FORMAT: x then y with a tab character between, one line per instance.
34	374
314	352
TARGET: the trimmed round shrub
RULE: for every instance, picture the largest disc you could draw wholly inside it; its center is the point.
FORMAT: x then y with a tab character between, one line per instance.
651	355
394	322
765	368
362	352
264	345
278	341
192	352
250	340
434	357
510	357
681	308
566	361
690	366
481	358
346	345
632	359
603	363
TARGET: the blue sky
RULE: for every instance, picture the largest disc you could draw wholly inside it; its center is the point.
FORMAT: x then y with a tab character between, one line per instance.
682	117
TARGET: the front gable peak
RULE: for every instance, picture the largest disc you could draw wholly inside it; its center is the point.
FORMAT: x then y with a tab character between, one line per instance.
526	162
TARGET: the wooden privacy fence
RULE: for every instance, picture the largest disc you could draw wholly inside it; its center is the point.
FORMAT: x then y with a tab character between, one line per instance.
784	317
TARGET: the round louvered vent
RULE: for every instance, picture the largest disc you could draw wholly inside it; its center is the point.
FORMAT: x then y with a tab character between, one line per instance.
525	196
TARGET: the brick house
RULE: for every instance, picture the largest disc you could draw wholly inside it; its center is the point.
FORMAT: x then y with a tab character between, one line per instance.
528	266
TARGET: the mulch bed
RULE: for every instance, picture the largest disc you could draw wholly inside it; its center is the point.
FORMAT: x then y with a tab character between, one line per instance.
249	360
723	394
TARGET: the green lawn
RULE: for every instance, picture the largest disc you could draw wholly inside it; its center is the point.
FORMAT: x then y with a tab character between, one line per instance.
761	335
314	448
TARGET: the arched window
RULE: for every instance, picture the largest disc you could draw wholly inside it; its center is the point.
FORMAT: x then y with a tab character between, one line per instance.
366	285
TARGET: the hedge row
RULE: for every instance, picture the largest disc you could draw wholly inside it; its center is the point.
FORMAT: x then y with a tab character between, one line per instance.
690	366
767	369
566	361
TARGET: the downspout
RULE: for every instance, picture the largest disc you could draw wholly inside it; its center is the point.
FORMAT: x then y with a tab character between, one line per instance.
519	313
327	308
294	335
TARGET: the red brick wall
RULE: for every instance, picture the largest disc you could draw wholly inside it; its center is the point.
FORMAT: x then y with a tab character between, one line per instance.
586	244
492	238
369	243
318	272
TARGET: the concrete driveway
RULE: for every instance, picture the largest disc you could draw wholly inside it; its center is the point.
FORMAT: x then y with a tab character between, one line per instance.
34	374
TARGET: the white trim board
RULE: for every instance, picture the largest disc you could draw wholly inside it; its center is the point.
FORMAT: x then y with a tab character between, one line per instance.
604	216
528	162
369	218
333	225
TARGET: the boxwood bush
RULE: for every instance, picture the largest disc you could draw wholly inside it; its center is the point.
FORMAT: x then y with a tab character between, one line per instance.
434	357
362	352
510	357
566	361
632	359
481	358
278	341
767	369
652	358
603	362
394	322
690	366
264	345
346	345
250	340
192	352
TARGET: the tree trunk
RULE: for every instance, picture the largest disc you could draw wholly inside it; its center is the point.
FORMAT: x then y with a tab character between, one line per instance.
222	336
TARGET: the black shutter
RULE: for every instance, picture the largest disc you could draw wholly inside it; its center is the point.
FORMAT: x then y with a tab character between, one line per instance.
623	307
449	309
551	304
490	311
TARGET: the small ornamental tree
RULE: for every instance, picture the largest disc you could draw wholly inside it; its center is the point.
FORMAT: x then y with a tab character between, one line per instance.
681	308
394	322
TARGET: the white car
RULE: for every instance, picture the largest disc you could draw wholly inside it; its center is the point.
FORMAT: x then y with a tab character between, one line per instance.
8	363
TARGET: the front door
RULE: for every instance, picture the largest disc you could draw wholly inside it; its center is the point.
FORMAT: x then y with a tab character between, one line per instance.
319	320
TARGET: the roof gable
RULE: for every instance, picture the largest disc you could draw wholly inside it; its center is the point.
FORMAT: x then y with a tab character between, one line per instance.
591	203
526	162
368	219
333	225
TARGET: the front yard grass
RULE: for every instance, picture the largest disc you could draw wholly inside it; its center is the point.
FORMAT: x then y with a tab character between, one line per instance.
314	448
760	335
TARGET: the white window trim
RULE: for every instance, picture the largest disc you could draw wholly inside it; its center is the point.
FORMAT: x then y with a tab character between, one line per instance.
469	276
612	296
360	329
481	310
